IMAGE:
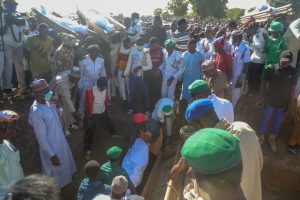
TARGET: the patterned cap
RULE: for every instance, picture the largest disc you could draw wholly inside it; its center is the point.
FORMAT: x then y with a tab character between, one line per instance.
39	85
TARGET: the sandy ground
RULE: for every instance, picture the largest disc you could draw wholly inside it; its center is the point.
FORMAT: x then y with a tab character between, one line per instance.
280	176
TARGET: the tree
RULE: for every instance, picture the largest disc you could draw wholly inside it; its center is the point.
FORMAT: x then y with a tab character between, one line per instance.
158	12
235	13
209	8
178	7
166	15
278	3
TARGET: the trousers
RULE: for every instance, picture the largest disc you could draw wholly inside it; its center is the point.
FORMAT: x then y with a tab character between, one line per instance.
103	119
154	84
268	112
168	91
137	84
10	56
236	92
254	76
122	84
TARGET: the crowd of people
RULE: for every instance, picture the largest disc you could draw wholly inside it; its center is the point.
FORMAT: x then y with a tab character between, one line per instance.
193	74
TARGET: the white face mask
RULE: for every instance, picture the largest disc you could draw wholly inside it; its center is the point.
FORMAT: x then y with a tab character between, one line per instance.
140	48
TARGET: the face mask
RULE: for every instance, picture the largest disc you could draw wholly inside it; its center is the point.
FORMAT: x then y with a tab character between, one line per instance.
135	21
48	96
140	48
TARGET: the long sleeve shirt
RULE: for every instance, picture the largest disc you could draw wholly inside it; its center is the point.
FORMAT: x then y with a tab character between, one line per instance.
138	58
258	45
61	87
173	66
10	167
91	71
47	127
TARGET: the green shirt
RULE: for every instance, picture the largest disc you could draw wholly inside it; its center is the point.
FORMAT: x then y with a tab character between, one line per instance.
39	51
273	49
110	170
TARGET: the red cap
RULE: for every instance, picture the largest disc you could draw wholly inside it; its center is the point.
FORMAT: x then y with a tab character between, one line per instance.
140	118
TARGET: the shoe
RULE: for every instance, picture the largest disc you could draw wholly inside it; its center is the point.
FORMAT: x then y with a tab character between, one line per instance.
272	142
130	112
67	133
74	126
147	113
88	155
292	149
261	139
297	147
117	136
8	91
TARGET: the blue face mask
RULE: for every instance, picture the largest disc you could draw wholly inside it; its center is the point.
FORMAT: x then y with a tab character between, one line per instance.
135	21
48	96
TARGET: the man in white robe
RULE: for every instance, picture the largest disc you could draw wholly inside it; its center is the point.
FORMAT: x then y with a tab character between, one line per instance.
56	157
10	168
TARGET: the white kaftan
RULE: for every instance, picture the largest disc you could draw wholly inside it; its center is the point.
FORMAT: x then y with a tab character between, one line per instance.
173	67
10	168
45	120
136	161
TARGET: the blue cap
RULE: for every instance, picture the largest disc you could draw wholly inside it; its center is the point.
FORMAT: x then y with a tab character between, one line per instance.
198	109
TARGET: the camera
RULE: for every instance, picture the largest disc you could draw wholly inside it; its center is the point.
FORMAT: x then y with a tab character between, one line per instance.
16	19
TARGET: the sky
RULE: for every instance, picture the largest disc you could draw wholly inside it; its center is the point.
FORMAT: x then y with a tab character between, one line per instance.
117	6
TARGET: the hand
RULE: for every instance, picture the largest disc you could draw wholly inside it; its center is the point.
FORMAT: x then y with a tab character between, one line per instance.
178	168
55	161
137	69
170	81
77	116
265	36
240	81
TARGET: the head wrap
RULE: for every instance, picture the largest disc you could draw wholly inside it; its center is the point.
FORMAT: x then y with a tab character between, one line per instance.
119	185
140	118
114	152
75	72
39	85
198	86
219	42
170	43
197	109
211	151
